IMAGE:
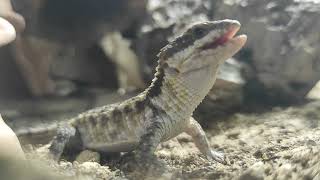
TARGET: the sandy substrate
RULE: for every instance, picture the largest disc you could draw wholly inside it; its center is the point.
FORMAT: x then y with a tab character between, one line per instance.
280	144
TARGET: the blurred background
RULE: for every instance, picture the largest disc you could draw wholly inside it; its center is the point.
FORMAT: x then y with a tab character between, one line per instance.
70	56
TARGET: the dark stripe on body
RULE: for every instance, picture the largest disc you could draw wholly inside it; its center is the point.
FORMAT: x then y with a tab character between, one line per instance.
155	88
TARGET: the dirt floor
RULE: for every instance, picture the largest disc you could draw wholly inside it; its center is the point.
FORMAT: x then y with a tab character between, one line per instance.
281	144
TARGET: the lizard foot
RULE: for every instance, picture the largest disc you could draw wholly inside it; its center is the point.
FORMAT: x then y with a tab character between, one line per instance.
217	156
138	166
64	133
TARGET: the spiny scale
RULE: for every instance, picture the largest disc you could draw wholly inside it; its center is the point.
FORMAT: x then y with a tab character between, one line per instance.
119	122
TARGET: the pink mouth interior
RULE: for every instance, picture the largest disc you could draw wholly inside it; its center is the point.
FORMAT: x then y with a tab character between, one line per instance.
221	40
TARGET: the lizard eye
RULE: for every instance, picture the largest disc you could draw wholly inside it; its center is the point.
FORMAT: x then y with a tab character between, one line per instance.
199	32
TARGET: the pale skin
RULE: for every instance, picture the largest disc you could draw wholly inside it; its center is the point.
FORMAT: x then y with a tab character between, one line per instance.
7	12
7	32
10	144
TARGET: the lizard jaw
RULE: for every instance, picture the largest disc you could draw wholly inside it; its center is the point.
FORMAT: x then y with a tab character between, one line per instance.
225	38
240	40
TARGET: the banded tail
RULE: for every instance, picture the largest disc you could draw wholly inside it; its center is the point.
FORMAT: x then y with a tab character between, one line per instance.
37	135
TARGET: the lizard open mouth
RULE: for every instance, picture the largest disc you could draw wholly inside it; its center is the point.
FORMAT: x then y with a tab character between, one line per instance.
223	39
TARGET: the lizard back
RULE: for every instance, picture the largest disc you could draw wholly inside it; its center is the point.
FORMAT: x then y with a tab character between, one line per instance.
112	128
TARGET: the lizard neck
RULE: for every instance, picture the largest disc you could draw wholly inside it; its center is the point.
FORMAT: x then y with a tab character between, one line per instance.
174	96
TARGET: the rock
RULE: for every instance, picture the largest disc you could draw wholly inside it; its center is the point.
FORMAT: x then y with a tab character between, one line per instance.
81	23
10	145
170	12
314	92
255	172
282	50
88	156
147	46
94	170
126	61
89	66
90	22
284	171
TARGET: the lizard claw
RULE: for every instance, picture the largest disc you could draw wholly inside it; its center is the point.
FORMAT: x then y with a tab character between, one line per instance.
217	156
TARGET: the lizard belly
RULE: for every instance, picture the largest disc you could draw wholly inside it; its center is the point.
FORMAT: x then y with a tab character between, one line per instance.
122	146
115	135
109	141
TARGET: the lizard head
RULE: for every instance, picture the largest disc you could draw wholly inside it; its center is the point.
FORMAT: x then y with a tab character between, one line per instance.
194	57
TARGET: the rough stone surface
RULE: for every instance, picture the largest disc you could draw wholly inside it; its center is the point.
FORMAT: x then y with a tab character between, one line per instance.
93	170
88	156
315	92
283	45
76	29
255	172
281	58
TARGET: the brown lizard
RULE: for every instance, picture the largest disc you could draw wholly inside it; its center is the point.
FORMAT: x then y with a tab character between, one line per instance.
186	71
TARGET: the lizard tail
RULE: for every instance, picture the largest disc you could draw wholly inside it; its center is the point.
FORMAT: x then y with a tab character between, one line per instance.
37	135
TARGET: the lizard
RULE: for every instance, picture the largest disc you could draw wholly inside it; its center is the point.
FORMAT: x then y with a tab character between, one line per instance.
186	71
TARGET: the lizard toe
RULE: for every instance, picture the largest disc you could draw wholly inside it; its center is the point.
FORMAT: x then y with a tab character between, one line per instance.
218	157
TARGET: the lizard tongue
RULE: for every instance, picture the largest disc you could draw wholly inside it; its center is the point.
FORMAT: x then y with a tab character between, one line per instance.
223	39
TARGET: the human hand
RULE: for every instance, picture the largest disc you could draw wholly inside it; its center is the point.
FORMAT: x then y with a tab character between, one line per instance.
7	32
9	143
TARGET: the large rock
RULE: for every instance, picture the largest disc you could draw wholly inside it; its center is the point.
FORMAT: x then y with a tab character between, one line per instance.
283	44
74	32
315	92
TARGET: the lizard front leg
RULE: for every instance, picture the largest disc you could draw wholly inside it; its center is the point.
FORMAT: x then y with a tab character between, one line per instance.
144	161
151	139
195	130
64	133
